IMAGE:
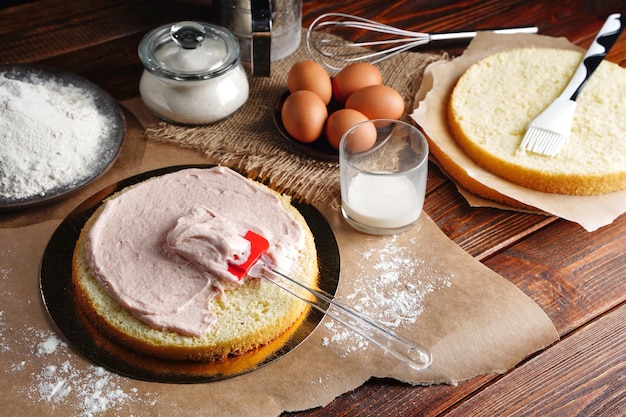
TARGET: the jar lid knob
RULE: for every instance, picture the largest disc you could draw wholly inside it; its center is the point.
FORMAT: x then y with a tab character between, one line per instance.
187	35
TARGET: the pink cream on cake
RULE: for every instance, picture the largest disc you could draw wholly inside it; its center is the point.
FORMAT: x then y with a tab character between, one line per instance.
159	248
210	242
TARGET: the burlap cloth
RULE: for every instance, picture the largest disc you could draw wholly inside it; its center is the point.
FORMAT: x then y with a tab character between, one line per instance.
249	141
418	283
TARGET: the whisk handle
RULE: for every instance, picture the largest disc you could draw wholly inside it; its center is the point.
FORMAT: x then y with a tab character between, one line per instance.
454	36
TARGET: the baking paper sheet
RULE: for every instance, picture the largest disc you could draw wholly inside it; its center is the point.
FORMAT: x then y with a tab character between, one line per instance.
591	212
419	283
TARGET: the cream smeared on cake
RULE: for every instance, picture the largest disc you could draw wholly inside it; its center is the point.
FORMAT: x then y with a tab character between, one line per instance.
210	242
127	246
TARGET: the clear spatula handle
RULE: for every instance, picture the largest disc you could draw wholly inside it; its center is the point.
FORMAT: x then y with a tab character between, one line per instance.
416	357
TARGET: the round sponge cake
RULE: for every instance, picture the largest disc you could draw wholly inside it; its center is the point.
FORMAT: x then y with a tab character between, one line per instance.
495	99
246	316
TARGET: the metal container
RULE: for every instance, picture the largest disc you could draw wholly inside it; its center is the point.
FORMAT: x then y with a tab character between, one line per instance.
267	30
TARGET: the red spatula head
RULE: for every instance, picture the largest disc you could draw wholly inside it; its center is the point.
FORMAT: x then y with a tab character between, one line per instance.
258	246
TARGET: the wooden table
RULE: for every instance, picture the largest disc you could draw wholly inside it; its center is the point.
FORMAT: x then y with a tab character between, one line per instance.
576	277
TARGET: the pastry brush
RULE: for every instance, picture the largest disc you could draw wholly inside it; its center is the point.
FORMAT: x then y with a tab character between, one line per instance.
547	133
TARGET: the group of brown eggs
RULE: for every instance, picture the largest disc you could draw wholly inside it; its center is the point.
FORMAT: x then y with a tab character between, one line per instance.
358	90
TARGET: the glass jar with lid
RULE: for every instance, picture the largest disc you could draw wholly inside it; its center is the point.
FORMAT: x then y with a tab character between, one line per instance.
193	73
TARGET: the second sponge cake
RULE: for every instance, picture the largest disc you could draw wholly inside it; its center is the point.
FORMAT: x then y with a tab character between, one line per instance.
496	98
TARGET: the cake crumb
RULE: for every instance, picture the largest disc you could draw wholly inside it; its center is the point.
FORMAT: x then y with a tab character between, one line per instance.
49	345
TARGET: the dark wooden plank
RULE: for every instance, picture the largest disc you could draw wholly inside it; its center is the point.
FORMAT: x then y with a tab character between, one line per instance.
114	66
435	178
482	232
99	42
582	375
573	275
390	398
49	31
578	21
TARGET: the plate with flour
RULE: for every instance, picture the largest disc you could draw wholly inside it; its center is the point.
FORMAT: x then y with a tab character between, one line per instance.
58	133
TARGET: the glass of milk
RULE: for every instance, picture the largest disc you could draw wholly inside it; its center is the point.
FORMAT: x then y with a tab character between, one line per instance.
383	185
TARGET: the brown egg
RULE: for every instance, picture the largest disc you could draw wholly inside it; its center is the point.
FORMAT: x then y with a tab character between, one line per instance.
340	121
377	102
303	115
309	75
353	78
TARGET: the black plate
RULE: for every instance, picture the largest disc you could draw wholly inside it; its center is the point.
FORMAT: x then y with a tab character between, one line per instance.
320	149
58	297
107	152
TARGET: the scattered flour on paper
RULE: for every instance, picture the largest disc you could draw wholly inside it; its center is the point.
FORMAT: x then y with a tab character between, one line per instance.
390	288
58	379
57	375
4	344
4	276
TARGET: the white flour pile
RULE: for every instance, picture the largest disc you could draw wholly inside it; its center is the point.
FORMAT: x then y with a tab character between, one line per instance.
391	286
50	135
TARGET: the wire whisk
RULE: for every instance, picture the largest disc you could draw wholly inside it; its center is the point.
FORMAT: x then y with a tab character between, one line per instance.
326	44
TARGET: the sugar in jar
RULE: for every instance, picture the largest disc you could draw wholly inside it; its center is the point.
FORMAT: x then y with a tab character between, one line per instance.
192	73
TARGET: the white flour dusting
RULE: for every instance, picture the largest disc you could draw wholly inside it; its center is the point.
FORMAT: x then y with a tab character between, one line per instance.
390	287
4	344
57	375
50	136
59	379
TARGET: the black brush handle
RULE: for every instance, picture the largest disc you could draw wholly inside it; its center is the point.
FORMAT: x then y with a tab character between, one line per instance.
598	50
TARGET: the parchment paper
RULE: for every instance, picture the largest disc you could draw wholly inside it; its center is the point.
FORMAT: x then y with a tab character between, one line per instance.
591	212
474	321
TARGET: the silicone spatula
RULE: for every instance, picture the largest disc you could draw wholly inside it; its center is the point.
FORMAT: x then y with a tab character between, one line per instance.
259	265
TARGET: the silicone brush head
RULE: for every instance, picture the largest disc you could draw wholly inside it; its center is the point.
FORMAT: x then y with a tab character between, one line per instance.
258	246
